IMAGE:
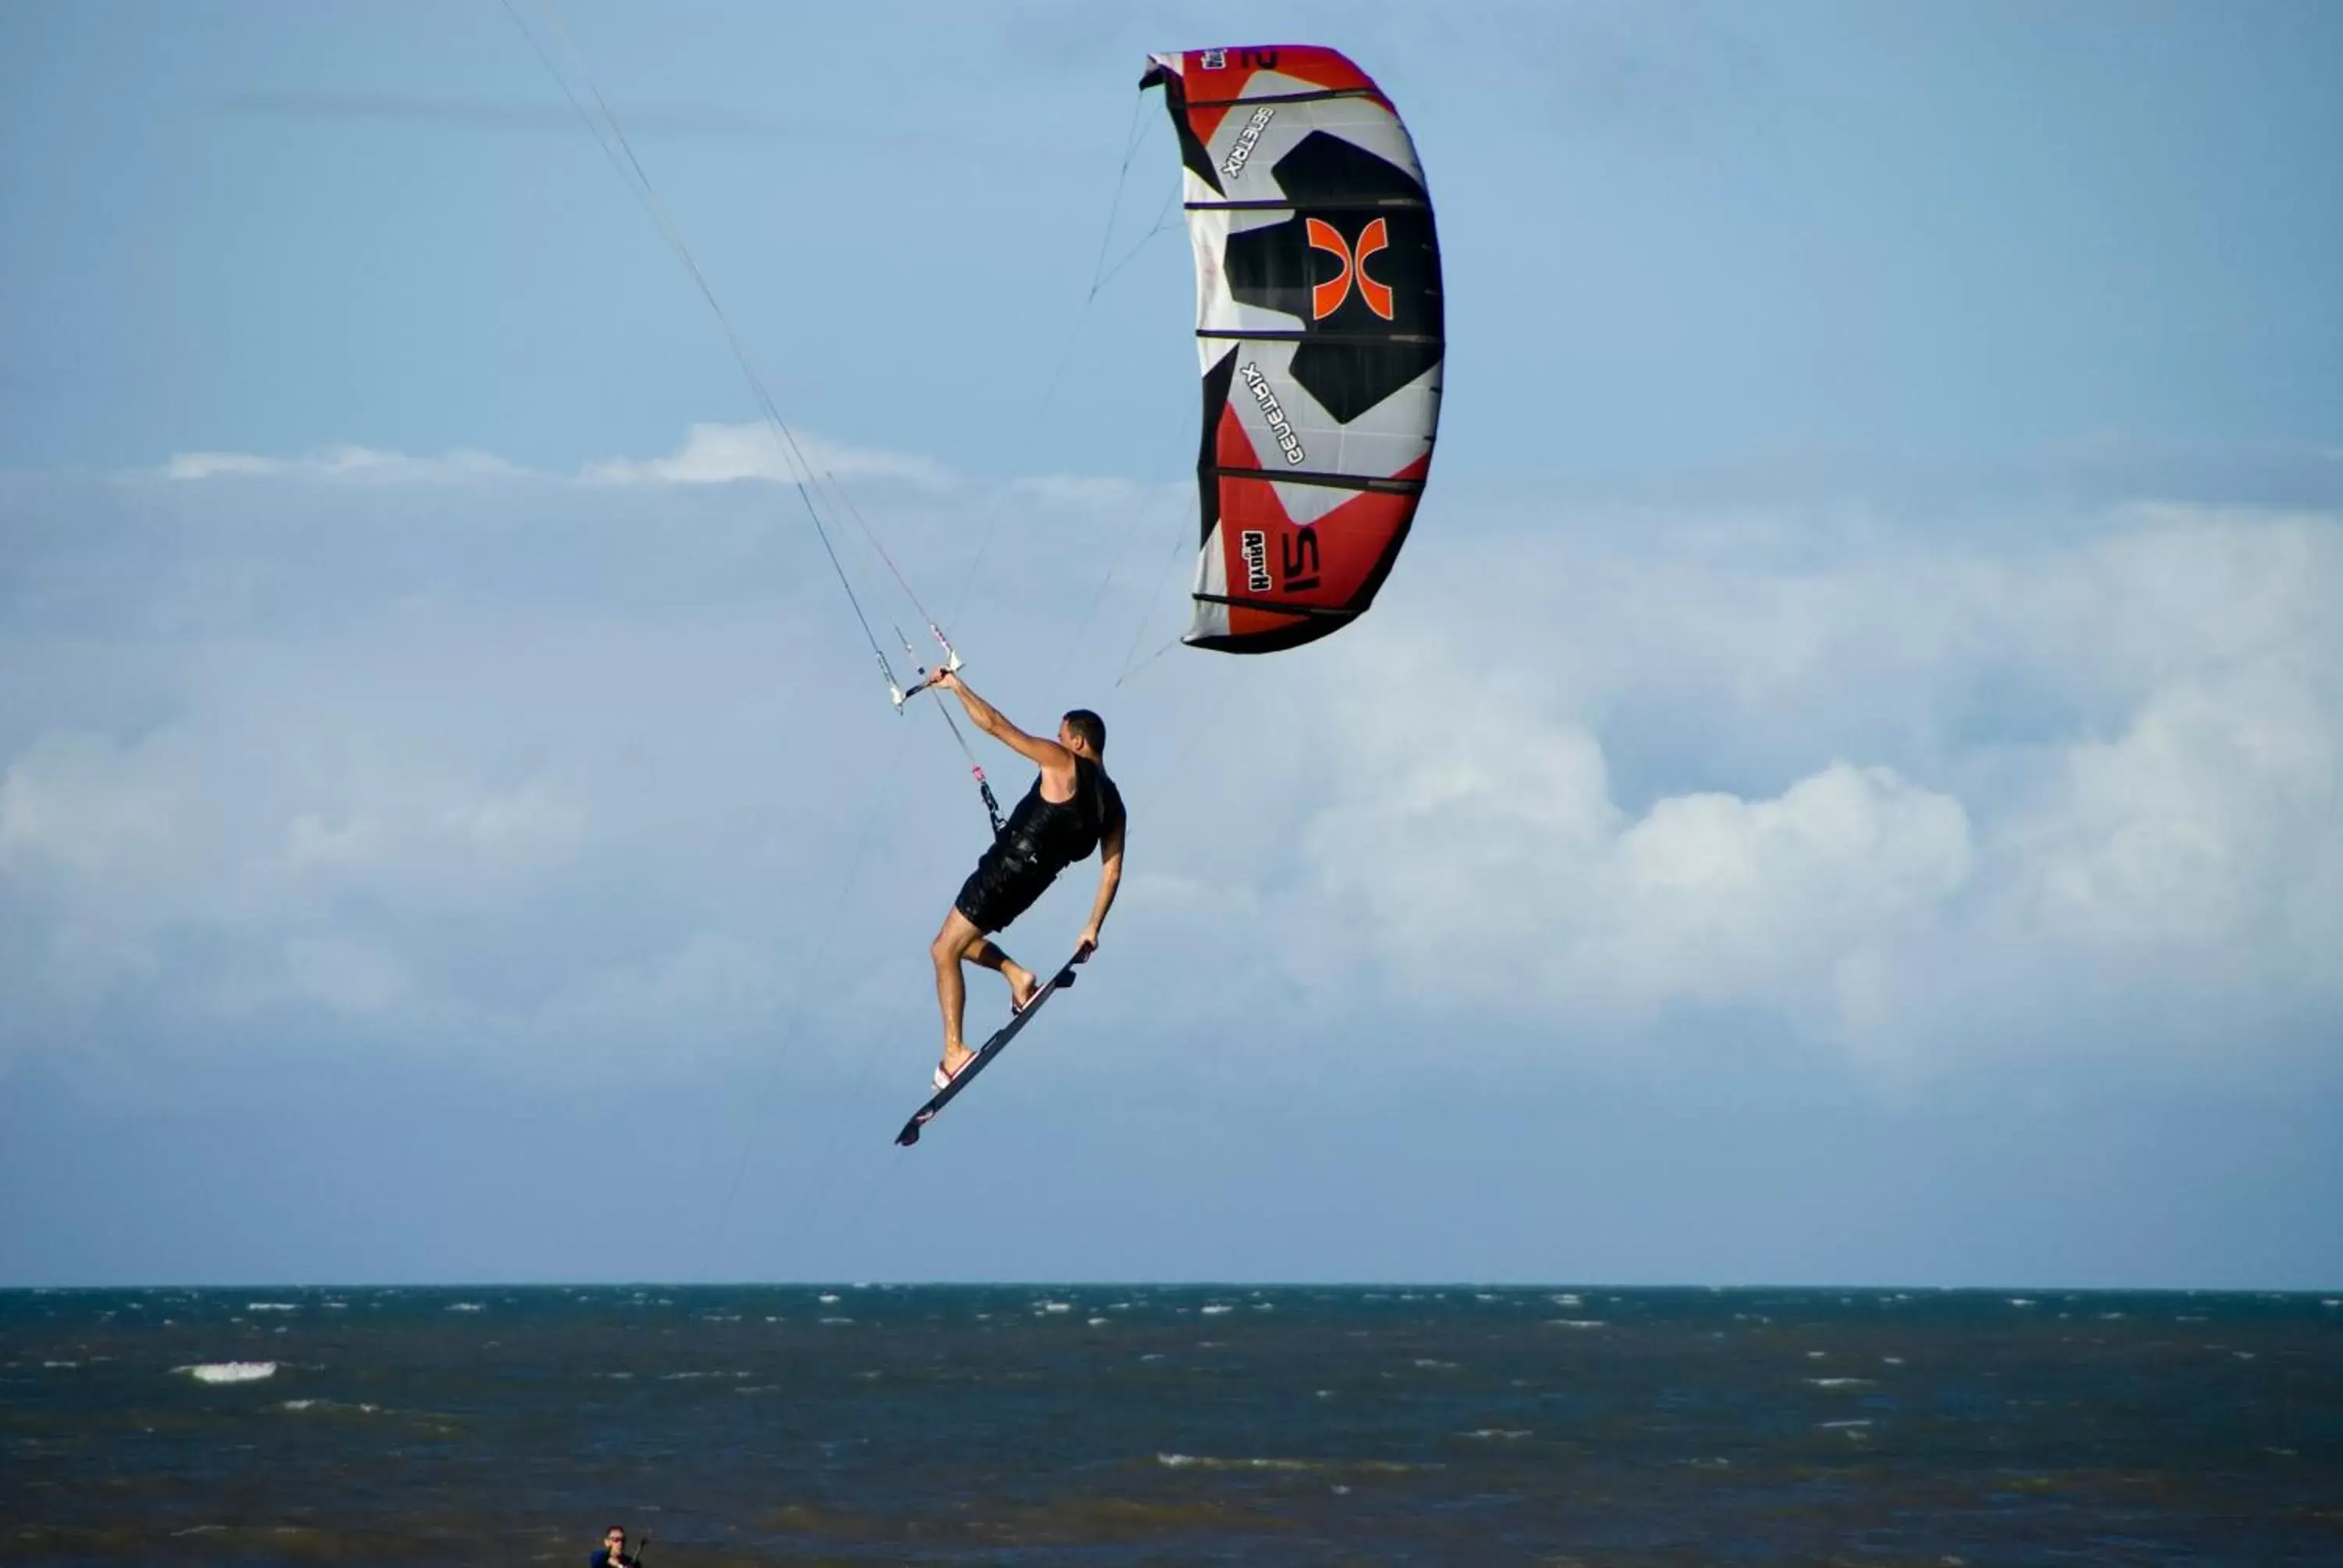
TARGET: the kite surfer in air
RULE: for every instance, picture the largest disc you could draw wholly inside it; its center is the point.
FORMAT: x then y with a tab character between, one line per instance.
1072	809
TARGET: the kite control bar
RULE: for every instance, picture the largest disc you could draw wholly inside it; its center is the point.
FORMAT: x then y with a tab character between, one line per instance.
927	677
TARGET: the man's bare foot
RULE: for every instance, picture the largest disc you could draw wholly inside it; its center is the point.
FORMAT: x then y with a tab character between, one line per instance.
1024	986
956	1056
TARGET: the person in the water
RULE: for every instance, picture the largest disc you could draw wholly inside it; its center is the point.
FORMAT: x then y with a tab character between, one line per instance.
1072	809
613	1554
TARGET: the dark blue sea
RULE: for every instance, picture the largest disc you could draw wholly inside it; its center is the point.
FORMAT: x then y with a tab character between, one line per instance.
1131	1425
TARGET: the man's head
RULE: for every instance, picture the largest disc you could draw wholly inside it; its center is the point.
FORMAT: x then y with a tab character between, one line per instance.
1084	732
615	1539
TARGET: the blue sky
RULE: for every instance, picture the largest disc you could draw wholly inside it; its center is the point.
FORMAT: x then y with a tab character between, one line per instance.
1845	785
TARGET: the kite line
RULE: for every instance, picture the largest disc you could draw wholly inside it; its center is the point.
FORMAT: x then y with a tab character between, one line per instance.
602	123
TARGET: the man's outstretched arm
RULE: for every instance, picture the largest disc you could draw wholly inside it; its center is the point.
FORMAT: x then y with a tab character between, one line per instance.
1047	755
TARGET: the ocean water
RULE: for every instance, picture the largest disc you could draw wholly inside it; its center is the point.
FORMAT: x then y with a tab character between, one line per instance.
1133	1425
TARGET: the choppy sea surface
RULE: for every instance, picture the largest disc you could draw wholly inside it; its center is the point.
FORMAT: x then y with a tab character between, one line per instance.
1144	1425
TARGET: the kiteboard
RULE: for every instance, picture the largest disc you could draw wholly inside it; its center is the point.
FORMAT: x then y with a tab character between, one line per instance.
989	1049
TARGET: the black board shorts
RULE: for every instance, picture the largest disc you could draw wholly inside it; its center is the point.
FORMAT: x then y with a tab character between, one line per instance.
1002	887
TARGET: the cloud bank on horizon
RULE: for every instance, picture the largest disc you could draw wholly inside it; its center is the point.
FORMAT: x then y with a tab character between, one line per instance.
596	760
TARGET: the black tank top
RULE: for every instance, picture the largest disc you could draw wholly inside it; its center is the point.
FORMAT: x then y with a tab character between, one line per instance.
1059	832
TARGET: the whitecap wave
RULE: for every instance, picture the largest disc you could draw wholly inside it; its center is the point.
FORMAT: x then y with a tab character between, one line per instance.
1205	1461
1576	1323
272	1306
1358	1466
229	1371
329	1404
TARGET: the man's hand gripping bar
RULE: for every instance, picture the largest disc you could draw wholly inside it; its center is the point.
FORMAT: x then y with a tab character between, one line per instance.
927	677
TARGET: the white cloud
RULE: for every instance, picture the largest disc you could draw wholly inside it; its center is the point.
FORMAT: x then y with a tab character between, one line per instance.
725	454
1485	856
1095	493
313	843
710	455
2194	834
2177	832
343	462
349	976
442	822
84	824
711	989
68	799
530	825
1728	900
1917	796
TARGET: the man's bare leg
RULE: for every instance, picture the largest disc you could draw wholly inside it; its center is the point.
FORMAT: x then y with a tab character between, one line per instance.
1023	984
957	940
